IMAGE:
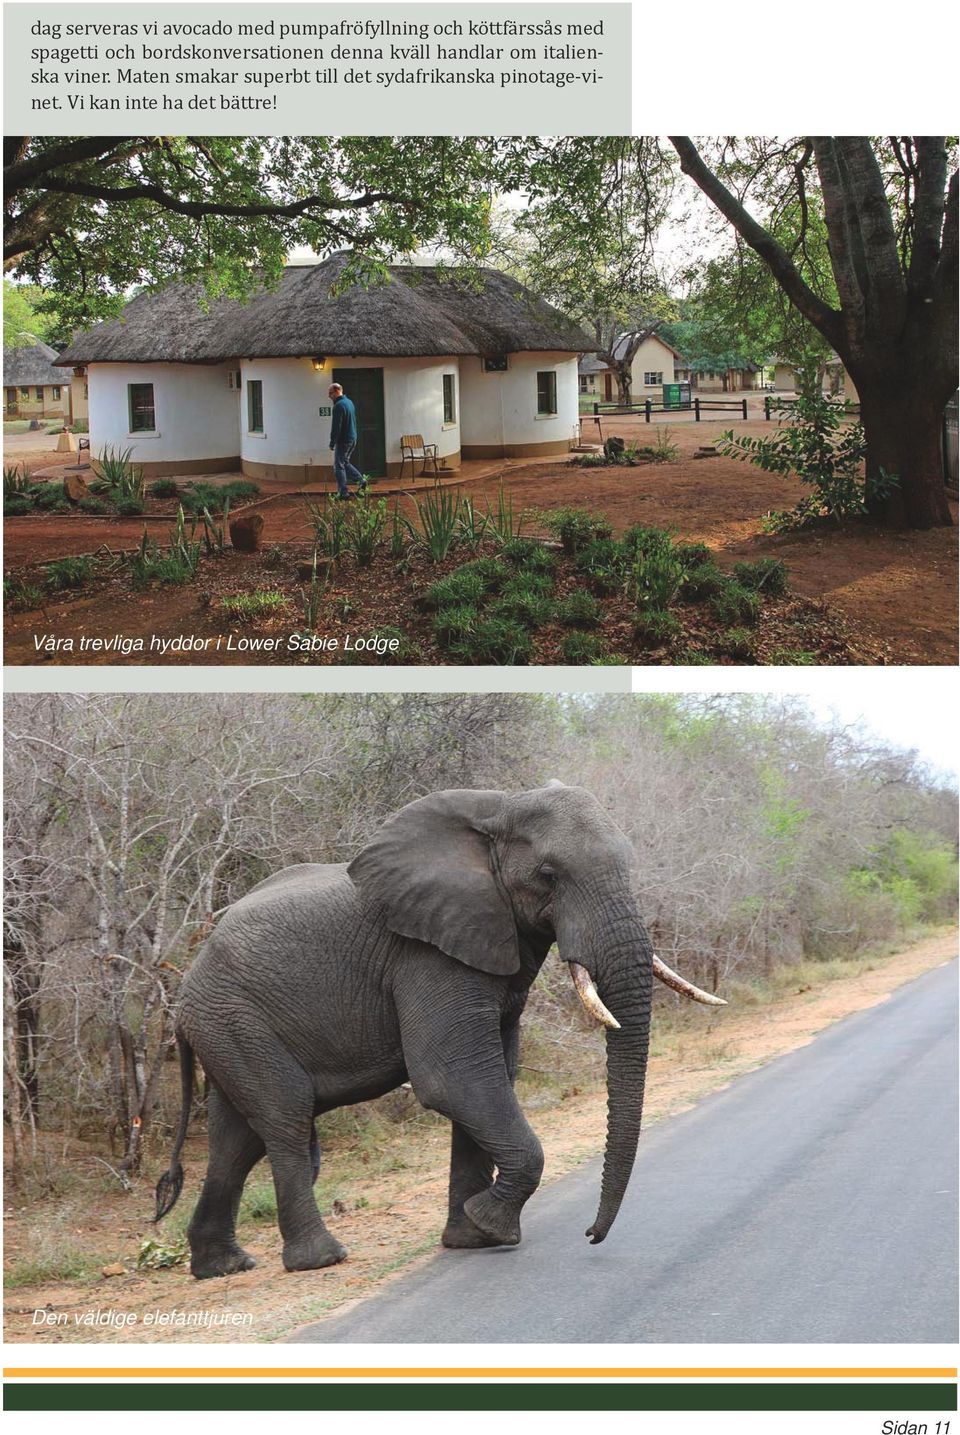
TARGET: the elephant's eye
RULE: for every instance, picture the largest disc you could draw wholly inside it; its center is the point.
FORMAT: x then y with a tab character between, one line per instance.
549	876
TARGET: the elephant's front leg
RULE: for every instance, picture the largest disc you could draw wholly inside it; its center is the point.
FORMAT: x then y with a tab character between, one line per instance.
471	1168
457	1067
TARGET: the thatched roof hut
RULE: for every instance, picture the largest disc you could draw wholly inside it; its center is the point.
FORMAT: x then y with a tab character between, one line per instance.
31	365
418	312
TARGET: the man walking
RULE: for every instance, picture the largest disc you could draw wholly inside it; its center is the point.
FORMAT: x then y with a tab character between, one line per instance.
343	440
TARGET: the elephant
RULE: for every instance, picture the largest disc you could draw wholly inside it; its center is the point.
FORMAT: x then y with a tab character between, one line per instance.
327	985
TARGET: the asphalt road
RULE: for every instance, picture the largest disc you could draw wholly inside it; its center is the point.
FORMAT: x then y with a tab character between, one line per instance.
812	1200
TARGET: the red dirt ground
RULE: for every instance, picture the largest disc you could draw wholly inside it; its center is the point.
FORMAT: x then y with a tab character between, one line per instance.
896	590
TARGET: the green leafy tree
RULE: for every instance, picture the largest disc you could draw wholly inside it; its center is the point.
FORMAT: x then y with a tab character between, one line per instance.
877	279
27	311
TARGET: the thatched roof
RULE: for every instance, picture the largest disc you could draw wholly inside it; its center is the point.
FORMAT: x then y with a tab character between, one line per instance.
419	311
31	365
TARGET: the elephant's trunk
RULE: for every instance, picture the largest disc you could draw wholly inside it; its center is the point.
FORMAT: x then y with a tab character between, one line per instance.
613	974
628	995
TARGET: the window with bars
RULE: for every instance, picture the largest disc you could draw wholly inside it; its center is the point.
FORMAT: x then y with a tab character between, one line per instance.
652	377
255	405
546	391
143	417
449	398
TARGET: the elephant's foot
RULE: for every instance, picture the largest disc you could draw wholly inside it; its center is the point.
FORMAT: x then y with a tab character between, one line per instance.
460	1234
220	1261
313	1252
499	1222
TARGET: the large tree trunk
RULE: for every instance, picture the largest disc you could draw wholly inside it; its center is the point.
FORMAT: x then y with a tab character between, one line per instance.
902	420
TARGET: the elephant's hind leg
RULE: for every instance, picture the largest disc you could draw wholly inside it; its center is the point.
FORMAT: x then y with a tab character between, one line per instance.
235	1148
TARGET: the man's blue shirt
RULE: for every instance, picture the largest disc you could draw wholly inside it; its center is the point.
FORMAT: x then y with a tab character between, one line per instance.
343	429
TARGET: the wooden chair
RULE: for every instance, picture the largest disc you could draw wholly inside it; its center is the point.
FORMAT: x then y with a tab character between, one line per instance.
413	447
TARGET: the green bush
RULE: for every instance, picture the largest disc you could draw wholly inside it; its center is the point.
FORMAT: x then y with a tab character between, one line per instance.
129	507
701	582
164	488
529	608
92	505
733	604
578	610
455	622
737	643
15	480
692	555
581	648
68	572
602	562
123	478
654	579
576	527
49	497
19	595
492	572
501	641
463	585
767	576
529	554
640	541
366	524
654	627
247	606
16	505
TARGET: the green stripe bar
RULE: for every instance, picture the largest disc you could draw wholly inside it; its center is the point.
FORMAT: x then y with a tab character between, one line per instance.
377	1395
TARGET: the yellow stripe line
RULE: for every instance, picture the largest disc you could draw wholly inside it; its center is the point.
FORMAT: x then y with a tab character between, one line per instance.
467	1372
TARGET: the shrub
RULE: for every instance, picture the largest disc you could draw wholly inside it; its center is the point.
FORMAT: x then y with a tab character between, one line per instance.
68	572
693	658
702	582
19	595
821	447
738	642
492	572
654	627
576	528
438	516
16	505
654	579
455	622
329	524
502	526
791	658
603	563
92	505
502	641
164	488
463	585
366	522
241	490
581	648
664	450
471	526
49	497
733	604
128	507
123	478
578	610
528	553
692	555
15	480
247	606
765	575
530	608
640	541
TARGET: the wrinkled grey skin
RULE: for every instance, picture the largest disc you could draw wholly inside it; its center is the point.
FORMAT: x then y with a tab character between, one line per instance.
328	985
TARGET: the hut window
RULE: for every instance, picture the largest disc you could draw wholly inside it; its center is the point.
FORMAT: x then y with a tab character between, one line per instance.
143	417
39	393
24	393
653	376
449	398
255	405
495	364
55	391
546	391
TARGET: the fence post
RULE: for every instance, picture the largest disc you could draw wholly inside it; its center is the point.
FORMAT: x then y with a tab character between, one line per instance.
646	409
744	408
596	409
696	410
766	407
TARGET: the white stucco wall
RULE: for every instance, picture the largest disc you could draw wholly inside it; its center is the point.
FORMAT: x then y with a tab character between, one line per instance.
294	391
500	410
197	415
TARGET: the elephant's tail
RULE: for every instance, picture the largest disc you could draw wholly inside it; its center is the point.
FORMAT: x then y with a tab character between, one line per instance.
171	1182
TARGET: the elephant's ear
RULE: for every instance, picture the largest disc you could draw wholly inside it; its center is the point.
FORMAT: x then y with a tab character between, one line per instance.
430	869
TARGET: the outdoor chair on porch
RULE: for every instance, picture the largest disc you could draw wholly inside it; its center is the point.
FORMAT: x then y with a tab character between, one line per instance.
413	447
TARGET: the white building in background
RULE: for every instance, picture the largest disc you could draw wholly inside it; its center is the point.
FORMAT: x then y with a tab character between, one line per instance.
481	367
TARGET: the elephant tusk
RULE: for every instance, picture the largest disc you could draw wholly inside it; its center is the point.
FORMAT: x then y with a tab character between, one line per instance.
590	997
679	984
